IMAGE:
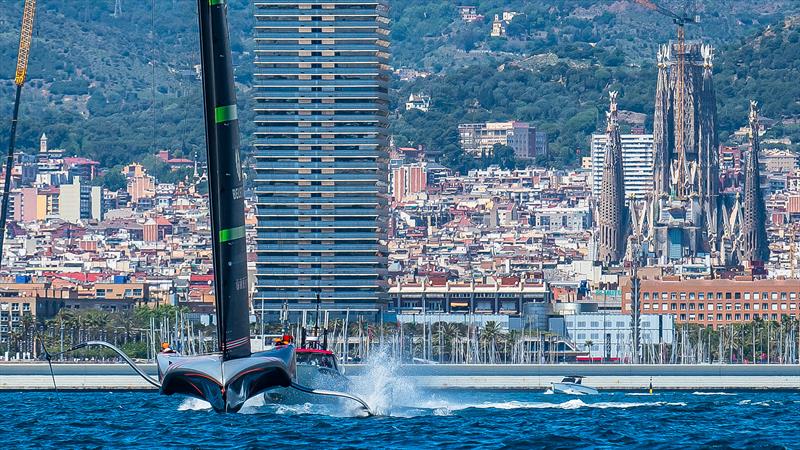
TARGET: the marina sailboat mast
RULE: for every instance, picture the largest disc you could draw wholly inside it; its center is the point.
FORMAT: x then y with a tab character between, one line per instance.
225	187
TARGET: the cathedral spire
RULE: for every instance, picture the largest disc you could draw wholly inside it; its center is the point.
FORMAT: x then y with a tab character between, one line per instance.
612	213
755	247
661	136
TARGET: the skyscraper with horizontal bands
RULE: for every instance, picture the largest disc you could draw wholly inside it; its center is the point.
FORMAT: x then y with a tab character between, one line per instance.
321	102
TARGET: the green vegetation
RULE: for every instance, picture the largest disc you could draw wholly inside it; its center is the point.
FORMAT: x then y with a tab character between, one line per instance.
566	96
118	88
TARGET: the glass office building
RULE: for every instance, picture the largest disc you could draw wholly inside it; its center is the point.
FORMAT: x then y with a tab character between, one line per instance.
321	104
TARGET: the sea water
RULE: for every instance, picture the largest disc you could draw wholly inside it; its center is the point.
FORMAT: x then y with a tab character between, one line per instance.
407	417
462	419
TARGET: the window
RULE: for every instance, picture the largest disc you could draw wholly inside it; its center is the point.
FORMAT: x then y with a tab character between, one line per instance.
737	296
621	325
691	317
646	296
655	305
581	336
683	295
747	306
674	306
595	336
683	306
727	296
701	316
719	316
774	306
783	307
737	306
728	307
737	316
774	296
646	306
595	324
756	306
783	295
683	316
747	317
672	296
701	296
691	306
747	296
756	296
710	307
727	317
581	324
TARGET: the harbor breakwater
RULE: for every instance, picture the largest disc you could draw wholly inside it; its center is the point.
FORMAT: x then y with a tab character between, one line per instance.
36	376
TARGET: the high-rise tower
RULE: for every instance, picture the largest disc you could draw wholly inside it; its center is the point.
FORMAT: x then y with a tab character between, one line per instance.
684	208
755	247
612	220
321	93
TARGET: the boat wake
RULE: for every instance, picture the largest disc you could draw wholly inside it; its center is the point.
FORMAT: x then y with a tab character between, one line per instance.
569	404
713	393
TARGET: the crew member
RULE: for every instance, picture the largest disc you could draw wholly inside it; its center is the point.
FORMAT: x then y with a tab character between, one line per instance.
165	348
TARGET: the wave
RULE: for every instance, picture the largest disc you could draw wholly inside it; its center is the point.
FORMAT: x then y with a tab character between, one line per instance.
569	404
713	393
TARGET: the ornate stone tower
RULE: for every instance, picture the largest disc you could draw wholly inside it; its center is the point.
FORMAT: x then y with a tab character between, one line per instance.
755	247
684	208
612	221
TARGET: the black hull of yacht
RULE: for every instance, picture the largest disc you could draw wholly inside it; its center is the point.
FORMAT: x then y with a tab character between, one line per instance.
226	385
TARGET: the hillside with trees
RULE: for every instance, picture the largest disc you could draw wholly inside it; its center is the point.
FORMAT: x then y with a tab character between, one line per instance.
117	88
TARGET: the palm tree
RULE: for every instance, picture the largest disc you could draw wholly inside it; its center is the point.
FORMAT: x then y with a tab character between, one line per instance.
491	331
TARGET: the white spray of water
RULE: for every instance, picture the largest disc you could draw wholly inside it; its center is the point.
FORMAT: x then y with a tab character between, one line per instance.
386	391
713	393
194	404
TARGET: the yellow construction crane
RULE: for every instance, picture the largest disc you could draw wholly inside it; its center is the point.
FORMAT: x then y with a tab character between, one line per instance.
25	41
680	20
22	68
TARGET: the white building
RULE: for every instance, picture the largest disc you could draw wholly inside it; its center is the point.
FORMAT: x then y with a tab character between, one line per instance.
608	334
420	102
79	201
637	160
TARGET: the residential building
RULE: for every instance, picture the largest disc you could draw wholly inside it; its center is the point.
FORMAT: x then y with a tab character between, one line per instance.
408	180
479	139
419	102
637	163
778	161
717	302
321	105
78	201
469	14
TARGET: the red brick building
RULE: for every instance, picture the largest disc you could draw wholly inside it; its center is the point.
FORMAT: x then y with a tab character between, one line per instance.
717	302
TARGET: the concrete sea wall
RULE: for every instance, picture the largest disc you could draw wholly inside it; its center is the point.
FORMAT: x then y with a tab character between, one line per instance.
36	376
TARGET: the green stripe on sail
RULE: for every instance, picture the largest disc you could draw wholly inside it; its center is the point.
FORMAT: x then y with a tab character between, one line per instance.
225	113
216	2
231	234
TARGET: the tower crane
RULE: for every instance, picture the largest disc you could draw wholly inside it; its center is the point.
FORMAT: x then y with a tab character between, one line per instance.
680	19
19	79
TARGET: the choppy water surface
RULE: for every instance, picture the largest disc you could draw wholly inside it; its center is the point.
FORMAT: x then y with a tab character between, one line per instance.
425	419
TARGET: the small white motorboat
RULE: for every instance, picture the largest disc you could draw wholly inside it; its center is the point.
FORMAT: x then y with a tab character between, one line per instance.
573	385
